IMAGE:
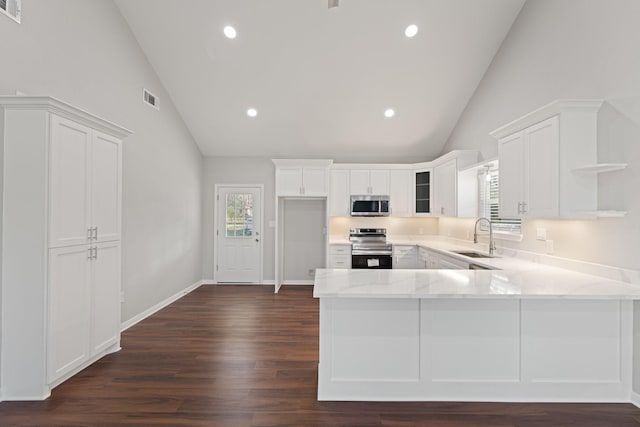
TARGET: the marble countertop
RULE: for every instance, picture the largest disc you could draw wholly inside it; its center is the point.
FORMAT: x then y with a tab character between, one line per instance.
542	282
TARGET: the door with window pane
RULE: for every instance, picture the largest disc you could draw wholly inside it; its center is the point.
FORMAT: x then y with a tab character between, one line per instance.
238	249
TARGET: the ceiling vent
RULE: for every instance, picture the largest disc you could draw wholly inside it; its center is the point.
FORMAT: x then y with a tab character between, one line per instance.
11	8
150	98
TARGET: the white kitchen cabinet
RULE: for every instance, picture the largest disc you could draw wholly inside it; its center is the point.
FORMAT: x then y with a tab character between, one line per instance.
529	172
84	184
61	187
405	256
445	177
84	314
302	178
423	258
369	181
539	154
400	194
339	197
445	184
339	255
422	192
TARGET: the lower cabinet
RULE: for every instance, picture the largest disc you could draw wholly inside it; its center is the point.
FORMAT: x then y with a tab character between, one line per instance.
339	255
423	257
84	305
404	256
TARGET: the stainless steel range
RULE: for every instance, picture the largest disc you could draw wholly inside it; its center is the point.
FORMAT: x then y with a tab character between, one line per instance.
369	248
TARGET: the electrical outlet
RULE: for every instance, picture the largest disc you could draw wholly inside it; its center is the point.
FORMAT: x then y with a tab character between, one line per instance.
541	233
312	272
550	247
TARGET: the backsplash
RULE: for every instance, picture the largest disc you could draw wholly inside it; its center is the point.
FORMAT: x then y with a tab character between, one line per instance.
601	241
339	226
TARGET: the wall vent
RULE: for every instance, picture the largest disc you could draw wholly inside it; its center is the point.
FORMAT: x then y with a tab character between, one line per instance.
150	98
11	8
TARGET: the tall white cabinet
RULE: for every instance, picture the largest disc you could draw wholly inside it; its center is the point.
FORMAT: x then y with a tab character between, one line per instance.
61	255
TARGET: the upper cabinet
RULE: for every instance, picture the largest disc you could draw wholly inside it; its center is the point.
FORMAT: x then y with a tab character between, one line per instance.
538	156
302	178
445	184
339	196
369	181
422	193
400	194
85	184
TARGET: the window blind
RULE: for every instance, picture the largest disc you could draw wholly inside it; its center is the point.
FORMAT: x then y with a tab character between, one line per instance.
489	203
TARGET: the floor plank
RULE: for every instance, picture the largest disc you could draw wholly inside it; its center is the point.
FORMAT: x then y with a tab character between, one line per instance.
238	355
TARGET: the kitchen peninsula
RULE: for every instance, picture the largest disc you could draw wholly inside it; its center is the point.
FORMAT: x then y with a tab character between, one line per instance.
537	334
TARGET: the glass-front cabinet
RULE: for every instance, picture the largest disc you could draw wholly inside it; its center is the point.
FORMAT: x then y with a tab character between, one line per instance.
422	192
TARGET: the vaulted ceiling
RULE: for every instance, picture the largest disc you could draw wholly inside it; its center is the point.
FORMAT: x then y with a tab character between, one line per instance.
321	78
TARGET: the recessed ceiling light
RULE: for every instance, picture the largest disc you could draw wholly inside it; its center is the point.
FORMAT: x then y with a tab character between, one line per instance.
252	112
389	112
411	30
230	32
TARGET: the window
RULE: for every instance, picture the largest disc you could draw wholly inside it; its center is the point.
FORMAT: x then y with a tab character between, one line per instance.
489	199
11	8
239	220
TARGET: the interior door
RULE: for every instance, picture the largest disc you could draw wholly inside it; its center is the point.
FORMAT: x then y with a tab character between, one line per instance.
238	234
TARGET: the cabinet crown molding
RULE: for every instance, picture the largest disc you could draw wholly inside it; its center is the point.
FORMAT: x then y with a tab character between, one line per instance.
60	108
302	162
554	108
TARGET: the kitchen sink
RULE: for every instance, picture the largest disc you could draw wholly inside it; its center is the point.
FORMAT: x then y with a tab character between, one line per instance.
472	254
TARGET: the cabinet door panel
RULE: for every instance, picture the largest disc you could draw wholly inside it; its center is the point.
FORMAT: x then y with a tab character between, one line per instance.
339	201
69	182
511	152
314	181
400	186
359	182
541	169
445	187
68	334
106	186
105	274
379	182
288	181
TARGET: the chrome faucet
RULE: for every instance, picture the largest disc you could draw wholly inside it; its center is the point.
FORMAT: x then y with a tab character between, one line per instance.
492	243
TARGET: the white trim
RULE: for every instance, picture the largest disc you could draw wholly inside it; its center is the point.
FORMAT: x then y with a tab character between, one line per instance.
635	399
209	282
162	304
62	109
216	189
297	282
552	109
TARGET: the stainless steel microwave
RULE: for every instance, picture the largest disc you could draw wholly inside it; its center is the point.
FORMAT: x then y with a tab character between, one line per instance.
370	205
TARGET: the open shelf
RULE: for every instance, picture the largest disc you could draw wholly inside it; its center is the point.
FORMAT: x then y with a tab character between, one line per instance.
600	168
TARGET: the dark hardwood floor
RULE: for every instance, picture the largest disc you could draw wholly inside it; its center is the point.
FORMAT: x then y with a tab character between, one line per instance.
241	356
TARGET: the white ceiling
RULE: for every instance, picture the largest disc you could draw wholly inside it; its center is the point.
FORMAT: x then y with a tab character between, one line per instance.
321	78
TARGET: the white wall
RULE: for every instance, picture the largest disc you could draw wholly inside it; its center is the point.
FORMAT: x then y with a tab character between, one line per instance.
569	49
84	53
239	170
304	238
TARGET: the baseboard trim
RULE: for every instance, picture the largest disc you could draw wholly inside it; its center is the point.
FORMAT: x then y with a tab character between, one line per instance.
635	399
214	282
162	304
298	282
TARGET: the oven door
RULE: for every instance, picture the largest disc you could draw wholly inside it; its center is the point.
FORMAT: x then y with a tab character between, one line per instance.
371	261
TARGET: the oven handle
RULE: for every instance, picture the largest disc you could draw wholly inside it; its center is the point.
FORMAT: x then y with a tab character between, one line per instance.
372	253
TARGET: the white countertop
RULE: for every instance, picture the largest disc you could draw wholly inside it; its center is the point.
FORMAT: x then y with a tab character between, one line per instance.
542	282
